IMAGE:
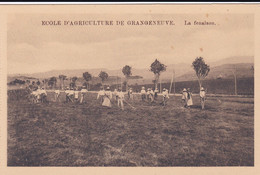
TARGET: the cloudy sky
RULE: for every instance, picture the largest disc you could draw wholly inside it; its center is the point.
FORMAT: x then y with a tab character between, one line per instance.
36	48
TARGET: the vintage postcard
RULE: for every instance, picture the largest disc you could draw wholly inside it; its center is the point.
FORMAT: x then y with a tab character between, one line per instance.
138	89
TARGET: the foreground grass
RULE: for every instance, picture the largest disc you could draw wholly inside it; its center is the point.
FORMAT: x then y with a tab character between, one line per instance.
59	134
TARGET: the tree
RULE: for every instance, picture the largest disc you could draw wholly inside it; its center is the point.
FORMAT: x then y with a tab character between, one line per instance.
87	77
62	78
201	69
127	72
52	82
103	76
157	67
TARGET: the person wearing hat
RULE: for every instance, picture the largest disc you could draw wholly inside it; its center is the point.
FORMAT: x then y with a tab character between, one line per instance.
120	99
184	96
101	94
34	96
165	96
83	94
150	95
76	94
130	94
69	95
202	97
56	95
107	98
189	98
156	93
115	95
43	95
143	93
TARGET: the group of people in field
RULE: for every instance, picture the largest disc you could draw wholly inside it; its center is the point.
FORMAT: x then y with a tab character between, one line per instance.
75	94
39	95
106	96
187	97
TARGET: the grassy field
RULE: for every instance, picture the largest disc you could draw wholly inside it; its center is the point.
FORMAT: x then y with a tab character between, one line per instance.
60	134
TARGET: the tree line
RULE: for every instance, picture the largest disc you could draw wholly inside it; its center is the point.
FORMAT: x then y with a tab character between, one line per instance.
200	67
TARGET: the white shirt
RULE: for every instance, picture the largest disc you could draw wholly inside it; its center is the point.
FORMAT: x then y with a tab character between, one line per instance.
115	93
143	91
57	91
101	93
34	93
76	94
43	92
71	92
184	95
202	94
165	94
38	91
84	90
121	95
108	94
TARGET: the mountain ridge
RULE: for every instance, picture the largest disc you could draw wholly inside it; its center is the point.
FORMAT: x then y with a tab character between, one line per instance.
183	71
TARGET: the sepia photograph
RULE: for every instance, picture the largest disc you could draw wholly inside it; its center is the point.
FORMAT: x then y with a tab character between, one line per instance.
130	90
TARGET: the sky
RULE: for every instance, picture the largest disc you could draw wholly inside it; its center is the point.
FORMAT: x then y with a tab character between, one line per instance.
33	47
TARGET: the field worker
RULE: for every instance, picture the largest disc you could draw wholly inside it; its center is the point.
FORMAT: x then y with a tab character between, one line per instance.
76	94
202	97
34	96
120	100
143	93
115	94
156	93
43	95
107	98
150	95
38	92
83	94
184	96
69	95
165	96
131	95
189	98
56	95
101	94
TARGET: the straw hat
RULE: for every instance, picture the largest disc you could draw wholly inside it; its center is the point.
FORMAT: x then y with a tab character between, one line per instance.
184	90
202	89
164	89
143	87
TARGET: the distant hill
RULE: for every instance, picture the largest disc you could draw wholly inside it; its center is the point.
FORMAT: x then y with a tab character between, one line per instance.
183	72
243	70
233	60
